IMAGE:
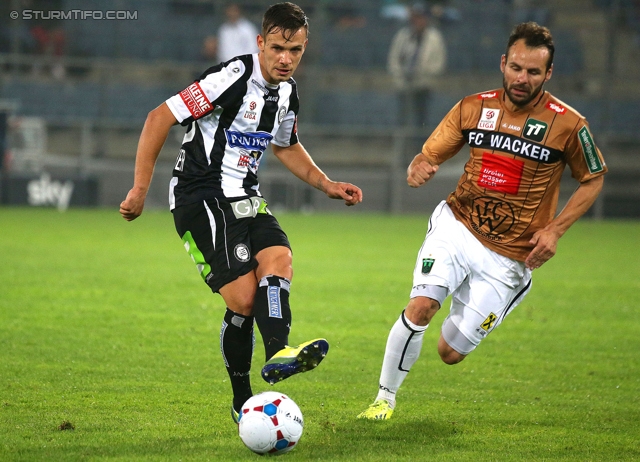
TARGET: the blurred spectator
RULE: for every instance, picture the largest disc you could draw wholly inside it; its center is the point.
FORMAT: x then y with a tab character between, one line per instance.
393	9
416	57
445	13
529	10
346	17
209	51
48	34
237	35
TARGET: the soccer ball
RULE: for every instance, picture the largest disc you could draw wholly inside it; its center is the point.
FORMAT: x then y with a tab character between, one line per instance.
270	423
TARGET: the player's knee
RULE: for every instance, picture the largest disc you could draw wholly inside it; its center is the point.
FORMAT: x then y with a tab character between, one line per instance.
420	310
275	261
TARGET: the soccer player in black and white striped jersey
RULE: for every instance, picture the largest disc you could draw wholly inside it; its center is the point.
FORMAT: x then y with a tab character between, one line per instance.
232	113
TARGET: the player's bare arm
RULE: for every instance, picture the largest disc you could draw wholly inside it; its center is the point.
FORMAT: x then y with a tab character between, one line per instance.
546	240
421	170
154	134
299	162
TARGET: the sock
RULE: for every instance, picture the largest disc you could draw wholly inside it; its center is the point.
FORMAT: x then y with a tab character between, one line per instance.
402	351
272	312
236	344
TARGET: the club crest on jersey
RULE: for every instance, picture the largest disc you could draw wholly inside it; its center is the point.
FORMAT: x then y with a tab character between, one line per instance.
251	141
427	264
242	253
488	119
196	101
281	113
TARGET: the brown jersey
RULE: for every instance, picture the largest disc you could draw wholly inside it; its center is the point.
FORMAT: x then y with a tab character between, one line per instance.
511	182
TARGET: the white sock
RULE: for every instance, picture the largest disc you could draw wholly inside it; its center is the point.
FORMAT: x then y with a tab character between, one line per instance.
403	349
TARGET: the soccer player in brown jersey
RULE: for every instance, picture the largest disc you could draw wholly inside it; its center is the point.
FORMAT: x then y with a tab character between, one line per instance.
499	224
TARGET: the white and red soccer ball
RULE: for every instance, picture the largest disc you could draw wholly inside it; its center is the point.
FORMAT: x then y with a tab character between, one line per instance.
270	423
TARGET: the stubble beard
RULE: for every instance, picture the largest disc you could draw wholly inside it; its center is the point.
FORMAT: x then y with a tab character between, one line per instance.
521	102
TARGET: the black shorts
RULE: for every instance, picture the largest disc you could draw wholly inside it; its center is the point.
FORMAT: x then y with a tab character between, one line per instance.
223	236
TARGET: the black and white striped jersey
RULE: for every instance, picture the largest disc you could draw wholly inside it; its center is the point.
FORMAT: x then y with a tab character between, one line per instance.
232	115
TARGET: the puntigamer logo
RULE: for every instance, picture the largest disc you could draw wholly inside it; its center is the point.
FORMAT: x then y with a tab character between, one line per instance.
251	141
589	151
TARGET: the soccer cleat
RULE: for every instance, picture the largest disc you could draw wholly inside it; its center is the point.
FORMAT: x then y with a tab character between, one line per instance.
235	415
292	360
380	410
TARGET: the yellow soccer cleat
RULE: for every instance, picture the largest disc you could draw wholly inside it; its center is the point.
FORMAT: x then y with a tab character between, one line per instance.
380	410
292	360
235	415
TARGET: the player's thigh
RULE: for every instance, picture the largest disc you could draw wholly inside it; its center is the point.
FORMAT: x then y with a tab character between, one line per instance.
271	247
216	240
482	303
440	262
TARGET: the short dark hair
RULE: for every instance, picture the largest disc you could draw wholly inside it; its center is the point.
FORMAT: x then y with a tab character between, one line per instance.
534	36
286	17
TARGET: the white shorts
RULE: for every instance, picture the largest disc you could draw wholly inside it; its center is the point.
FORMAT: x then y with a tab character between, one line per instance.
485	286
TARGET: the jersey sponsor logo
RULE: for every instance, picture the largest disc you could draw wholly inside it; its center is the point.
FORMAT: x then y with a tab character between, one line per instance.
513	145
491	218
556	107
488	119
488	323
535	130
241	252
272	99
427	264
251	160
500	173
493	94
589	151
251	141
250	207
196	101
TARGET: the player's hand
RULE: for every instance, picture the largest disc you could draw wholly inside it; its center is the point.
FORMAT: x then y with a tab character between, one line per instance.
131	207
351	194
545	242
420	171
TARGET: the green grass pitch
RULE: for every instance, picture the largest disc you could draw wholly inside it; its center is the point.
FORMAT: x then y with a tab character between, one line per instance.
107	327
